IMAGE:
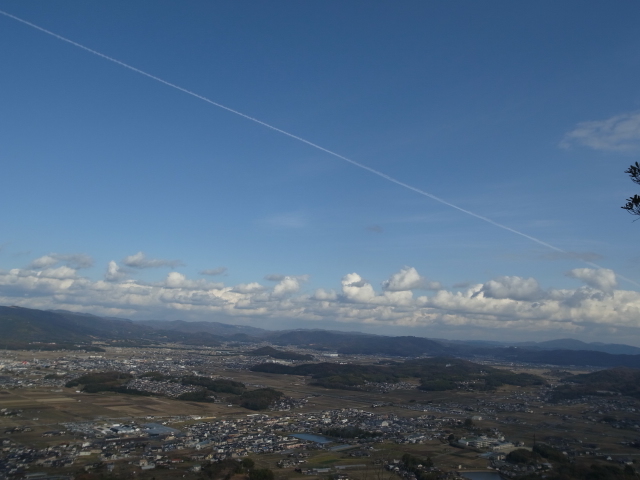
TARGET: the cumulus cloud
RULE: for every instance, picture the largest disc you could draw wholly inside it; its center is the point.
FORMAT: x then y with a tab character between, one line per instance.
214	271
74	260
514	288
178	280
513	303
600	278
354	287
61	272
44	262
620	133
287	285
140	260
375	228
248	288
322	294
276	277
114	272
408	278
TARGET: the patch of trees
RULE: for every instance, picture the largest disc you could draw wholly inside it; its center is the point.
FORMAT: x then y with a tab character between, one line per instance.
633	203
218	385
112	381
418	466
344	382
621	380
94	378
498	378
227	468
548	452
259	399
199	396
156	376
332	375
261	474
279	354
440	374
436	374
523	457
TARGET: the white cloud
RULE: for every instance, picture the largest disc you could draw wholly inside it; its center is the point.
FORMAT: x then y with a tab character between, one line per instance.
514	288
322	294
248	288
179	280
408	278
619	133
114	272
513	303
601	278
44	262
60	272
355	288
140	260
287	285
74	260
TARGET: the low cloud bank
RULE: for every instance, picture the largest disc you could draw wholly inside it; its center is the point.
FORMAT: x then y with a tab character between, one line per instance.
405	299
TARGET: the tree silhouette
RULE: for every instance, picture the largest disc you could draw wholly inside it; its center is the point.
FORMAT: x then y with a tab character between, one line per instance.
633	203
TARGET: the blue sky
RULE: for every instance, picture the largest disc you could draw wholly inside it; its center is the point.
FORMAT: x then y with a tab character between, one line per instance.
120	191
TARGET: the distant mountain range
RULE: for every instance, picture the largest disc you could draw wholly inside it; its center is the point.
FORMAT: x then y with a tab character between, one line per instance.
571	344
214	328
21	327
560	344
24	327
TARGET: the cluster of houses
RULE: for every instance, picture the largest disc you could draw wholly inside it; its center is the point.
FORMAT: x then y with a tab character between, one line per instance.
494	444
168	389
154	444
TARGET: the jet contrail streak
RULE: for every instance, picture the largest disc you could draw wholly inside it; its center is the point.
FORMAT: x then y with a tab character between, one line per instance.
300	139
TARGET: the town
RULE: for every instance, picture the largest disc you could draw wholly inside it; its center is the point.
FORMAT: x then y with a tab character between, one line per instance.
52	427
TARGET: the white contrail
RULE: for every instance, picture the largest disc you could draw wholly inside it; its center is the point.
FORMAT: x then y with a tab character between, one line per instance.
300	139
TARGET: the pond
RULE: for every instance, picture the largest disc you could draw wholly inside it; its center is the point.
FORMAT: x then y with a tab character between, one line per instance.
311	438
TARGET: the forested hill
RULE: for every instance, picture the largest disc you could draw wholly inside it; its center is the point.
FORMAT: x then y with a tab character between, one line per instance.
615	381
21	327
30	328
435	374
350	343
279	354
